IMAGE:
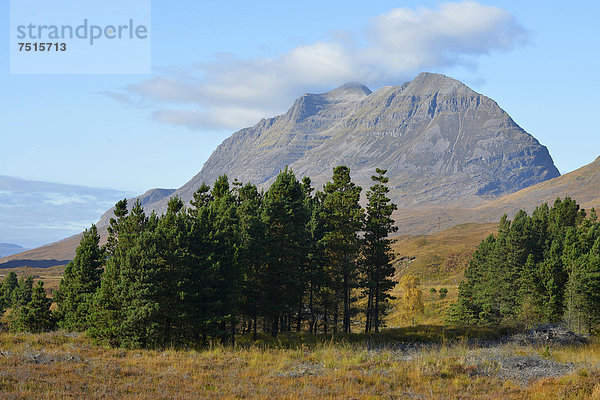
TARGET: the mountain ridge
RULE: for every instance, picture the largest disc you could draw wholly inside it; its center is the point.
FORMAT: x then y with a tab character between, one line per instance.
582	184
448	150
430	128
8	249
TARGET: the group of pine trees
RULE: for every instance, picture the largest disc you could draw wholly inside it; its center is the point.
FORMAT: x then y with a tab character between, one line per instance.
235	261
242	261
29	305
543	268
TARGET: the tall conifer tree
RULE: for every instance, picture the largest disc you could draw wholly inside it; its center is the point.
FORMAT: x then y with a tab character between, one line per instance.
377	251
343	218
80	282
285	217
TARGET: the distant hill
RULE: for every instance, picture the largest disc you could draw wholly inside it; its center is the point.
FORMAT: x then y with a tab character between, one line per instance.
34	212
60	252
52	254
7	249
583	185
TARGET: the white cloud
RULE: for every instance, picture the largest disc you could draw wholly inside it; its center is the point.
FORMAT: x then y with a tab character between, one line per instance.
61	199
73	227
232	93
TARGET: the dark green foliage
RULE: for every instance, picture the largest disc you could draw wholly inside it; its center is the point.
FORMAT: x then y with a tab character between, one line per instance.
34	316
172	263
107	313
9	284
223	269
377	251
286	250
235	261
21	295
537	269
343	220
319	293
251	255
126	306
80	282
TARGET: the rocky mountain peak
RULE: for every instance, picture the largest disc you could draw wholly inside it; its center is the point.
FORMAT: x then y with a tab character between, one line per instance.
442	143
430	83
351	91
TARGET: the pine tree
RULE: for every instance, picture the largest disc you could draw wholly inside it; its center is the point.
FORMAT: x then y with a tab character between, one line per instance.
21	295
318	286
377	252
140	283
343	218
80	283
9	284
251	253
584	287
285	217
107	312
199	286
35	316
536	269
114	225
224	267
530	294
171	262
555	278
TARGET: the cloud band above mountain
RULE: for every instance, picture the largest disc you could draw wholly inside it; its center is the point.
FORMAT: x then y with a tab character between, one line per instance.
230	93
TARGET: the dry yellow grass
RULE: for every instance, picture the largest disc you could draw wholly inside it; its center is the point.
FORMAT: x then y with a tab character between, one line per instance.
51	276
439	260
440	257
61	366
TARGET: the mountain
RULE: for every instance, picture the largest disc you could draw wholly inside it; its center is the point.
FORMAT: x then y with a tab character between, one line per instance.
151	196
34	212
447	149
583	185
8	249
442	143
62	251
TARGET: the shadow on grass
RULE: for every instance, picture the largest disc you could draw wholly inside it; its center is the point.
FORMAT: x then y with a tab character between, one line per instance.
421	334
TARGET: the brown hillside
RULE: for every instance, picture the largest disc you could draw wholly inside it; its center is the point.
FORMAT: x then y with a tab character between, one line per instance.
582	184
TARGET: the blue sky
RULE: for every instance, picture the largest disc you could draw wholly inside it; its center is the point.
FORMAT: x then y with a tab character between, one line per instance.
220	66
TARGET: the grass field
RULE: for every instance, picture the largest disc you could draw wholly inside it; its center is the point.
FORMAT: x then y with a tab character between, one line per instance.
439	261
66	366
51	276
428	361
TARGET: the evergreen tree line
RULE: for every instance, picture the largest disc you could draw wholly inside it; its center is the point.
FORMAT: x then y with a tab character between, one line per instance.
234	261
29	305
543	268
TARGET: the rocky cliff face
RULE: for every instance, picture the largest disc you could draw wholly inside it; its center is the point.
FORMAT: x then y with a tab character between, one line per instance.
450	152
442	143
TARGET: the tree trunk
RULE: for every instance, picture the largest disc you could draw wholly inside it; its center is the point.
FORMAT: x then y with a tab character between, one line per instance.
346	314
368	312
299	320
274	326
311	327
233	332
376	310
335	319
254	333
